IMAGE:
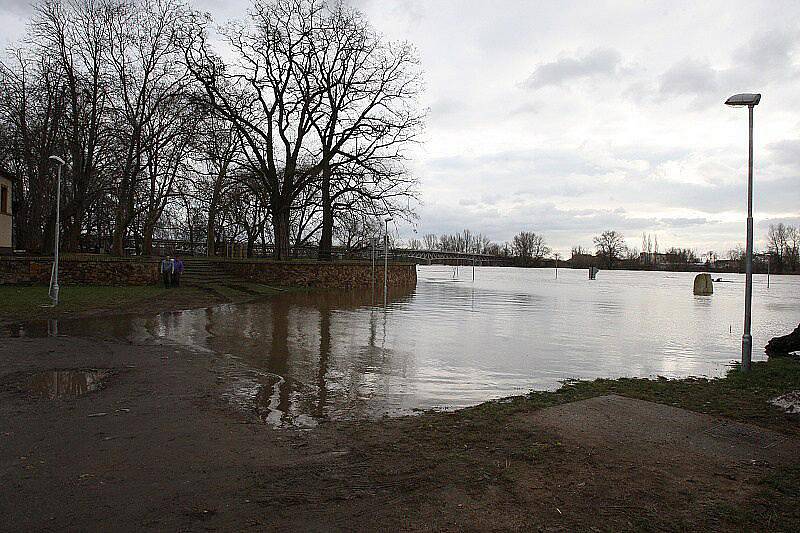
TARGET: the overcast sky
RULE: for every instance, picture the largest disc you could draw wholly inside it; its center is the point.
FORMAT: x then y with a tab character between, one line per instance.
569	118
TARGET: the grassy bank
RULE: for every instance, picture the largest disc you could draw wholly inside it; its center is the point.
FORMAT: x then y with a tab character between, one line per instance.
740	396
23	303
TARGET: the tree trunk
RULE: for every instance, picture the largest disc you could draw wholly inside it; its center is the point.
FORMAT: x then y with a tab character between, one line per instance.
251	242
147	239
326	239
118	239
73	233
280	228
211	233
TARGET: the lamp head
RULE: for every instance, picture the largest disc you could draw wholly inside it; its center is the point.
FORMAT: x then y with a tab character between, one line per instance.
744	99
388	219
56	159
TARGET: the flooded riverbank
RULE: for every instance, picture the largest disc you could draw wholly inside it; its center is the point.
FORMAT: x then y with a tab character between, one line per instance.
300	358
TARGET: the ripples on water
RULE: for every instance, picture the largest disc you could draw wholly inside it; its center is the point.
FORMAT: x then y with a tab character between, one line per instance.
305	357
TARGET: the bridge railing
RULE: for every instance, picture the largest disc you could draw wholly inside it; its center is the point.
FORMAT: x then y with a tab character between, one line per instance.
188	248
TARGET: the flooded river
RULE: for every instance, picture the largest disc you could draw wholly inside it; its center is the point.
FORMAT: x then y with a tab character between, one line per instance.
300	358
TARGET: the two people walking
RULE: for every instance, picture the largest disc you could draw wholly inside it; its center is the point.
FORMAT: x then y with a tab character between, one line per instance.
171	270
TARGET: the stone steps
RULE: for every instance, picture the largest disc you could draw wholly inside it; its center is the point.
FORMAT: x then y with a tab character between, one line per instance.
201	272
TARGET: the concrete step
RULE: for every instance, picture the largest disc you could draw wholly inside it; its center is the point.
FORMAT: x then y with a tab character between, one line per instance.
200	271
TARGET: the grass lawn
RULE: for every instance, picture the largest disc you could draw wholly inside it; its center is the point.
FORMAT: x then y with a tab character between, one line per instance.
22	303
25	302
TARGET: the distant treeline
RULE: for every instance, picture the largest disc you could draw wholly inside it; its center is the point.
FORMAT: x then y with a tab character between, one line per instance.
611	251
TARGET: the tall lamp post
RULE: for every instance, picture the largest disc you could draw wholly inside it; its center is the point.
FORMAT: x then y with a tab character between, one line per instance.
54	273
750	100
373	240
386	259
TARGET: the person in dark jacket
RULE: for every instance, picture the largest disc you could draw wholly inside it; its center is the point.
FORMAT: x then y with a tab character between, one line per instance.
166	271
177	271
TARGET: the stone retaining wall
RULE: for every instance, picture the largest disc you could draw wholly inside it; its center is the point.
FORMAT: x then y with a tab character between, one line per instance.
99	270
106	270
333	275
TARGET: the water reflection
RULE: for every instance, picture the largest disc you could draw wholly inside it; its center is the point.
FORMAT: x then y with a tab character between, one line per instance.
297	358
56	384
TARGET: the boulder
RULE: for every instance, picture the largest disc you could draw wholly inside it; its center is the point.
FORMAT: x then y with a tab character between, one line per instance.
703	286
784	345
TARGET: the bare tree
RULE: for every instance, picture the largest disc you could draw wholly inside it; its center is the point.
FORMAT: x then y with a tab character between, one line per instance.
32	106
430	241
355	231
530	247
171	130
144	57
75	34
366	117
610	245
215	149
793	247
272	73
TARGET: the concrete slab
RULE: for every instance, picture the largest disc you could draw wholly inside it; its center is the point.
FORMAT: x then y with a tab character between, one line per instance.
646	429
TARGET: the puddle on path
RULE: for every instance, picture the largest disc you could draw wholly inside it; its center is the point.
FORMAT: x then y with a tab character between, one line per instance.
55	384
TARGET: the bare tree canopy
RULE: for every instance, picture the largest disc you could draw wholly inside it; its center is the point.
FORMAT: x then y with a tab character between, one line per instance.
306	128
530	247
319	102
611	246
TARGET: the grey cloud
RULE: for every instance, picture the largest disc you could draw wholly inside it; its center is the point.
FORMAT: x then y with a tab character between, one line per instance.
765	59
762	226
18	7
652	155
767	50
786	152
769	196
689	78
527	108
536	163
601	61
446	106
681	222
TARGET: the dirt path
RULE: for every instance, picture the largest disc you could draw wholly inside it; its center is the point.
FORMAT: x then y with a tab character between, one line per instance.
157	448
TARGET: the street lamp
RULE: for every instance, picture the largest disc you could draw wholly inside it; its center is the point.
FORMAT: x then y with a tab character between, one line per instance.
54	273
373	240
750	100
386	259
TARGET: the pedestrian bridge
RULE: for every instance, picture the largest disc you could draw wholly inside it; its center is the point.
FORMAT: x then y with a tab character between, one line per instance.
440	257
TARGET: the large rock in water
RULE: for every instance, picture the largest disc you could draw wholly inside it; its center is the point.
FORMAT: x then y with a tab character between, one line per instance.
703	286
784	345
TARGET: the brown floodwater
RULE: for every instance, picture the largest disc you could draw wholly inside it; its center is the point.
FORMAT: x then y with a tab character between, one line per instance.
301	358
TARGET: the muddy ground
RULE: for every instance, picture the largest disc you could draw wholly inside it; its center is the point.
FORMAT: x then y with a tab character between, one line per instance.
156	448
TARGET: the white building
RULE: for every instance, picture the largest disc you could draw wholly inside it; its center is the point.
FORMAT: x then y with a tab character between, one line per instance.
6	218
